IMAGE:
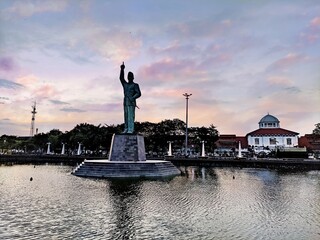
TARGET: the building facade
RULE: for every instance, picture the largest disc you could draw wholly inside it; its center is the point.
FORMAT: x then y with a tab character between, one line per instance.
271	135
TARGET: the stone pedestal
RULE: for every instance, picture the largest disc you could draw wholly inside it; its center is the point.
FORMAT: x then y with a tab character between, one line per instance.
127	159
127	147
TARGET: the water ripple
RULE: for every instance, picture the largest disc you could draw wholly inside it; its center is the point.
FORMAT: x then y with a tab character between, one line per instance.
206	203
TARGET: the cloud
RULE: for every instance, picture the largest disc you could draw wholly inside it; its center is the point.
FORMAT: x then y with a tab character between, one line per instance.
285	62
204	28
28	8
85	40
210	55
107	107
72	110
261	85
44	91
28	80
216	60
58	102
292	89
175	49
310	37
9	84
34	89
6	64
170	69
114	44
315	22
312	32
3	100
278	80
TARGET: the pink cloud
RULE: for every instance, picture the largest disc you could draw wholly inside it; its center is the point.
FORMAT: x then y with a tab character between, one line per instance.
167	93
106	107
45	91
201	28
168	69
277	80
287	61
114	44
315	22
174	49
6	64
311	38
28	80
216	60
227	22
312	33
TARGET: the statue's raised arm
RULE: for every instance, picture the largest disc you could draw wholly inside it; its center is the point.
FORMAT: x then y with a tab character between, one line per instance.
122	67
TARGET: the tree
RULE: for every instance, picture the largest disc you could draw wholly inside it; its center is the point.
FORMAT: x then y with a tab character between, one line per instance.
54	138
316	131
199	134
40	141
97	138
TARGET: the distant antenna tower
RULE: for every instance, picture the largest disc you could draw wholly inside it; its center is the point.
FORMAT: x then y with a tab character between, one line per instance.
32	119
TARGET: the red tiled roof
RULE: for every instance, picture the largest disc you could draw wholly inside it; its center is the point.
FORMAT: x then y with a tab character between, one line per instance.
303	142
231	141
243	140
272	132
311	141
227	136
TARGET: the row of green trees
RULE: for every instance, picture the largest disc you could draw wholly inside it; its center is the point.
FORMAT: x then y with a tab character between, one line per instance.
97	139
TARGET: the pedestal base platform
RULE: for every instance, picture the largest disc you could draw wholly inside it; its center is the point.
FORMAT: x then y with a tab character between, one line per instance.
150	169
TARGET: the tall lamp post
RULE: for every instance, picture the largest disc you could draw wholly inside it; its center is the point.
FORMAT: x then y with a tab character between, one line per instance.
187	98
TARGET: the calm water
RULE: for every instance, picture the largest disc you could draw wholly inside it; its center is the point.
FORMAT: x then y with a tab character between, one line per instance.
206	203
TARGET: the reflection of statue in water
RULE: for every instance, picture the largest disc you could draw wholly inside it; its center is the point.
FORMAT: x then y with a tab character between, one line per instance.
131	92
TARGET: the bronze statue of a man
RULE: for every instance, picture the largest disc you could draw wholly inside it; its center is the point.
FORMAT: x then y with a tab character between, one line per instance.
131	92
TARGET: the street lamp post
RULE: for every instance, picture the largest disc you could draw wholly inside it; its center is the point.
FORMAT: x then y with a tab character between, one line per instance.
187	98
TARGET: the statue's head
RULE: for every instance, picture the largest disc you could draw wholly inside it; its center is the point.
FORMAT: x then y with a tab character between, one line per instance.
130	76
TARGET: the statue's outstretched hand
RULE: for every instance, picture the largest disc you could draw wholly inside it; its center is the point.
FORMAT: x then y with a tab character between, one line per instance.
122	66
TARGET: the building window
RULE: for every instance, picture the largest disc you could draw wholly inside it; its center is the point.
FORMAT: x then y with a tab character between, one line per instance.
256	141
273	141
289	141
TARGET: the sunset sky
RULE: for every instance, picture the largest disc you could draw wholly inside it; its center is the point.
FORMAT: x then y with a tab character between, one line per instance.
240	59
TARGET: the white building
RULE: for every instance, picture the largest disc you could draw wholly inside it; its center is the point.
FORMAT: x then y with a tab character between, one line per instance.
271	135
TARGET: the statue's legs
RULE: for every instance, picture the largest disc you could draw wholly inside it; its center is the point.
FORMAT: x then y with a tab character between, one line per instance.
125	108
129	116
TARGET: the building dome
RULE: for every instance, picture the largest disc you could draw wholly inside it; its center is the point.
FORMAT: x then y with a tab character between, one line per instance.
269	121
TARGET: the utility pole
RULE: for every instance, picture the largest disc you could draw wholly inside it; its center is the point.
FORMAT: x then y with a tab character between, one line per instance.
187	98
33	119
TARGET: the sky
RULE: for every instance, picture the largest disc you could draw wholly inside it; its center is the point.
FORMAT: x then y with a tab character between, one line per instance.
240	60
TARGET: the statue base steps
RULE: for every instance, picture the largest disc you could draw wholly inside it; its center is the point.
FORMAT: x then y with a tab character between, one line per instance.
149	169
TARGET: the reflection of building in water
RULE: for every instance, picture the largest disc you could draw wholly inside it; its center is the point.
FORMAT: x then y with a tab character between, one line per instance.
194	173
272	196
269	136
